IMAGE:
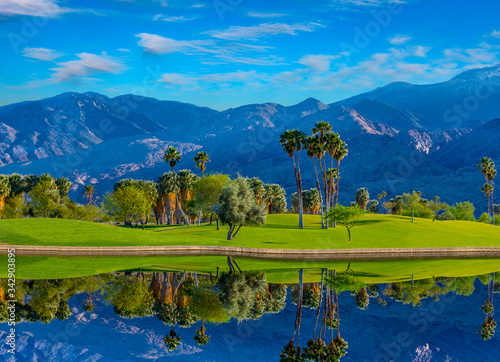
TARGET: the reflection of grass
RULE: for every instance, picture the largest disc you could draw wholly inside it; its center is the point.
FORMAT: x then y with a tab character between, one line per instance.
278	271
375	231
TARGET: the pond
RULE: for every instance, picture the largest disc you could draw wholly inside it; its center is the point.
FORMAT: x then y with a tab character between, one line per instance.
137	315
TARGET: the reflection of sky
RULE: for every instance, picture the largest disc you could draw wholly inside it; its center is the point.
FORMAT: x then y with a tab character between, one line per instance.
443	331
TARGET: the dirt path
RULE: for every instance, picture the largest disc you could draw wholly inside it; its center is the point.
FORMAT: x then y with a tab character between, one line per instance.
291	254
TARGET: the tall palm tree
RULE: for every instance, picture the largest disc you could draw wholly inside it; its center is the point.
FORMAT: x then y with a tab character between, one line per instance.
292	142
172	157
88	192
342	152
201	159
488	190
487	167
314	150
381	198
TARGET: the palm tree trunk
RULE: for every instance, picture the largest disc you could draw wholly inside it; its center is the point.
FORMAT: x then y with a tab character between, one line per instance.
301	206
319	191
493	208
199	218
177	200
318	311
489	212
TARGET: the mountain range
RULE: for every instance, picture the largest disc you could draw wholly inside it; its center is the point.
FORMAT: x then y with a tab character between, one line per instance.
400	137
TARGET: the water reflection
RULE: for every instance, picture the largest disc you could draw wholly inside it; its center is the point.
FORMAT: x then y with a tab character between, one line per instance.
183	299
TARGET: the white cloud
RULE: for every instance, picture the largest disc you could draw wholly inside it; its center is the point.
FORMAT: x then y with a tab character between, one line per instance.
199	5
157	44
124	50
87	65
261	30
42	53
175	19
232	53
493	34
41	8
355	5
319	63
400	39
471	57
217	78
258	14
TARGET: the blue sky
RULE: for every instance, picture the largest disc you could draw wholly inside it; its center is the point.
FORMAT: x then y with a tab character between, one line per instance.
225	53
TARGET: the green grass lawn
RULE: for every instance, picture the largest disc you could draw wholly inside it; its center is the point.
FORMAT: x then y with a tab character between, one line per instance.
280	232
373	231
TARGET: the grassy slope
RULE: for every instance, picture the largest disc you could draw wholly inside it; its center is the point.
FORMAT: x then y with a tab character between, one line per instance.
280	232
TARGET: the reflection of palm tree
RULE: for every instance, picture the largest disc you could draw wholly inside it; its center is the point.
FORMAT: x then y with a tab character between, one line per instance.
290	352
201	338
487	329
172	340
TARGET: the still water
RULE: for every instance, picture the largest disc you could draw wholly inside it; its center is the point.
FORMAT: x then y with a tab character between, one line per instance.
156	316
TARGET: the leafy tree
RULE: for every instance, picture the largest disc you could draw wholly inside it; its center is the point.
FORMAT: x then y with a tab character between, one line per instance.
45	197
208	307
4	189
292	142
238	207
311	199
238	292
128	203
130	297
437	206
362	197
412	203
172	157
208	191
258	189
463	211
346	216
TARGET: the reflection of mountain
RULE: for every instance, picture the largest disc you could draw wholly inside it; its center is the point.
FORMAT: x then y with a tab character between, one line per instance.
398	139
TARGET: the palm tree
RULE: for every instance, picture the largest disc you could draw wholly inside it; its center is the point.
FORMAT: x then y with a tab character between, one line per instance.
381	197
64	186
342	151
488	190
201	158
201	338
362	197
88	192
292	142
487	167
315	150
172	157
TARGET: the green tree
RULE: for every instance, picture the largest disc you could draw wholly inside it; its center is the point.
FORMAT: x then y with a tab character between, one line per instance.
463	211
292	142
412	203
238	207
488	190
128	203
346	216
275	198
437	206
207	192
45	197
381	198
172	157
362	197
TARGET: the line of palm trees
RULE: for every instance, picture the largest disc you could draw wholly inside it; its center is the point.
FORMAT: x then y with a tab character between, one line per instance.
487	167
324	148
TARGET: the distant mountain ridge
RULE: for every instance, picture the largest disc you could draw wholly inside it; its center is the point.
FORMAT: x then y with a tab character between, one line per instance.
397	136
